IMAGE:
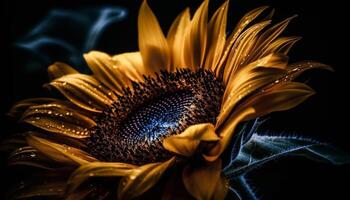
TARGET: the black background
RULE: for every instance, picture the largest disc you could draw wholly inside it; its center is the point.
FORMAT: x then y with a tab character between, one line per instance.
320	23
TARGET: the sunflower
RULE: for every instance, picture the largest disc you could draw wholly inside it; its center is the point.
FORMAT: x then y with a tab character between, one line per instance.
161	117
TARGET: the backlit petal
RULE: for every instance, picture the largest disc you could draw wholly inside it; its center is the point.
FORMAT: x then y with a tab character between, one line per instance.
152	43
266	38
216	37
281	45
241	50
245	21
176	39
196	38
250	78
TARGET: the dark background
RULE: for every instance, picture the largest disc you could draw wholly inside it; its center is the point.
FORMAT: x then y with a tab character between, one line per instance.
320	23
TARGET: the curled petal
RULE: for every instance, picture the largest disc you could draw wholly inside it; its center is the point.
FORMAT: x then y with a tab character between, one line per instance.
84	91
59	69
196	38
205	182
226	132
187	142
60	153
58	118
96	169
140	179
152	43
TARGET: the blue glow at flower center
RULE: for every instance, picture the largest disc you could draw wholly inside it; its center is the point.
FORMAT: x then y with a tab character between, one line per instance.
157	118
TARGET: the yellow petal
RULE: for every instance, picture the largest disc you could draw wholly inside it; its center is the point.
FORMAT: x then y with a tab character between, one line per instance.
281	45
281	97
129	64
176	39
187	142
196	38
23	105
107	71
59	69
246	75
29	156
226	132
60	153
216	37
295	69
204	182
141	179
241	50
251	78
267	37
84	91
152	43
60	119
96	169
245	21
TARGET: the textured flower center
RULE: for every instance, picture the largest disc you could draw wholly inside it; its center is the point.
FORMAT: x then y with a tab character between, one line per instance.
132	129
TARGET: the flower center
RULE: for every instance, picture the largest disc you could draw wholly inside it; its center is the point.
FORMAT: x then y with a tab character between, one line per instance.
132	129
